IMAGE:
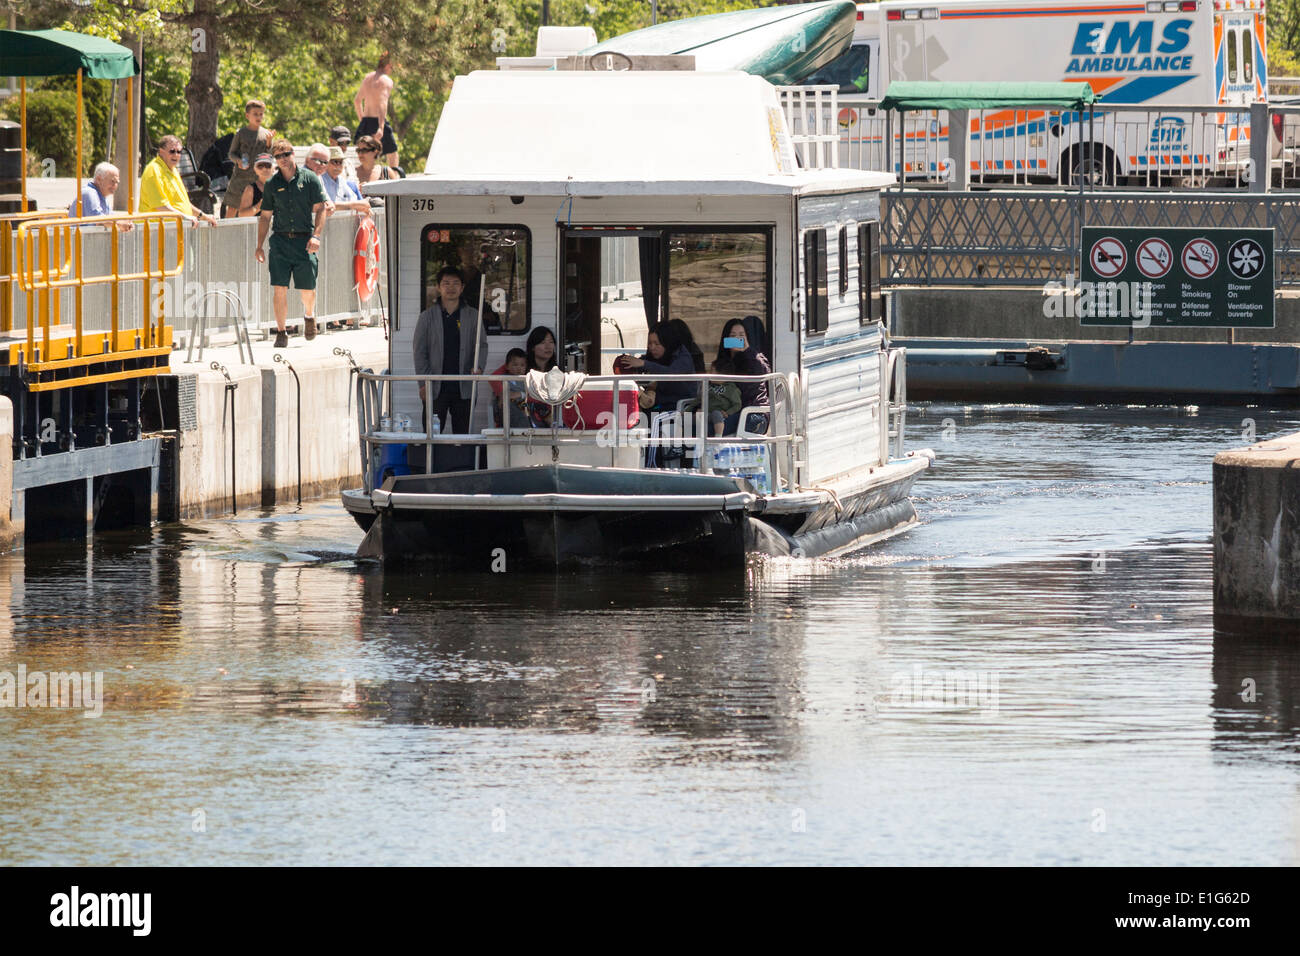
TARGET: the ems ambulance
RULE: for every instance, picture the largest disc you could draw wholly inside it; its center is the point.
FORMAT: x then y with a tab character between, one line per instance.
1149	56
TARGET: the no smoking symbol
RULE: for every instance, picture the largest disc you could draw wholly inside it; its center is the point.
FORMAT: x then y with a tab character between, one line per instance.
1246	258
1200	258
1108	257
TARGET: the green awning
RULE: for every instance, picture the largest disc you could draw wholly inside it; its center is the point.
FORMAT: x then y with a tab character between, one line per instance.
931	95
61	52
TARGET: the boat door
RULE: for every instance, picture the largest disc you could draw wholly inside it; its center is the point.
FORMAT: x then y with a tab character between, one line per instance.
604	308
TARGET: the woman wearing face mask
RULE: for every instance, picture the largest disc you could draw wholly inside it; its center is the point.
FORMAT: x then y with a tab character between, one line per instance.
737	356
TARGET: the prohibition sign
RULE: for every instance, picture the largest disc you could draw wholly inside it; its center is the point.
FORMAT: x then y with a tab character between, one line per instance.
1200	258
1108	257
1154	257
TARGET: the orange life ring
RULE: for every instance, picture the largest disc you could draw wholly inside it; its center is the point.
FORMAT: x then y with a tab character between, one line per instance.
365	259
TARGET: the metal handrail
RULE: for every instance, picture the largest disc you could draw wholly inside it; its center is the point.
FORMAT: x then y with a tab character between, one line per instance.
41	243
784	395
8	272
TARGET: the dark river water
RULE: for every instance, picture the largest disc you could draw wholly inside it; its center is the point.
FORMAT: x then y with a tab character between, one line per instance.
1031	675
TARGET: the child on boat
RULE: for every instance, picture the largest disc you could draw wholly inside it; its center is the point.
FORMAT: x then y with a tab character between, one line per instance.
724	399
512	396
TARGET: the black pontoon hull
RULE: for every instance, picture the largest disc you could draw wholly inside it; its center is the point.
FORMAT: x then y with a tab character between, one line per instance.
563	515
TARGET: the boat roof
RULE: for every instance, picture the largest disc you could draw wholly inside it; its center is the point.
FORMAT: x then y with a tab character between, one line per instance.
806	182
629	133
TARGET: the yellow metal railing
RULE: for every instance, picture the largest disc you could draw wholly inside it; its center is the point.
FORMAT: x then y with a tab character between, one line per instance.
8	269
50	261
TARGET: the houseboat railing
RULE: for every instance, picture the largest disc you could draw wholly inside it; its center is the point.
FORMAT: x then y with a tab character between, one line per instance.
784	438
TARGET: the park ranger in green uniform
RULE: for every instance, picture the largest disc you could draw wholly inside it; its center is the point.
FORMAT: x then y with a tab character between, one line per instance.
293	200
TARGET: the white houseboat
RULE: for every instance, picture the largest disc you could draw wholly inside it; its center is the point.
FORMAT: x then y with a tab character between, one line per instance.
589	203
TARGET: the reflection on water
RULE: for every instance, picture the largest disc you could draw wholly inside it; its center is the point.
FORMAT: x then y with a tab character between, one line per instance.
1030	676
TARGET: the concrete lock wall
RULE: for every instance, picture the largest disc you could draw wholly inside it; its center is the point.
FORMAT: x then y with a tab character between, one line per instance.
1018	315
330	445
203	466
265	432
1257	535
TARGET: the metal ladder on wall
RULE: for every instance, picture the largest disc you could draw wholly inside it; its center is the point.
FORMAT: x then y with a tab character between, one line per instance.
199	326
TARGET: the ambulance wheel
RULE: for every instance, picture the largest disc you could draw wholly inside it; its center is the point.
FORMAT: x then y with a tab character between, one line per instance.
1095	163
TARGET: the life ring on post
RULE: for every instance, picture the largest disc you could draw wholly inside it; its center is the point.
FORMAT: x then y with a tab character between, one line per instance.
365	259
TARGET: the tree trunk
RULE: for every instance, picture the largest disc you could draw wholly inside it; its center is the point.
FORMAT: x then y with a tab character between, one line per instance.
202	92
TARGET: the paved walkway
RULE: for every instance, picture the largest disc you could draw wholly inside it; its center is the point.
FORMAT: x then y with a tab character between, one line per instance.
361	342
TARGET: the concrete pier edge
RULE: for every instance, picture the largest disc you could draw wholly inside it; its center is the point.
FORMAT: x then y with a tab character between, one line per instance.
1257	538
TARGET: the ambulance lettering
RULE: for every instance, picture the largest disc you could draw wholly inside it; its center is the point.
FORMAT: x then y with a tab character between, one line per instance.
1167	135
1096	43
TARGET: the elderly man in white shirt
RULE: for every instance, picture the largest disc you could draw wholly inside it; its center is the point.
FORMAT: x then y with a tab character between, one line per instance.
327	162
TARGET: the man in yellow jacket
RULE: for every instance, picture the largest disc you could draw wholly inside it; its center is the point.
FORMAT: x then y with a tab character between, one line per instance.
161	188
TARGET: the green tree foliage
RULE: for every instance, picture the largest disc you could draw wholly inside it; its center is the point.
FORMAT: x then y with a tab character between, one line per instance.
305	60
1284	38
51	132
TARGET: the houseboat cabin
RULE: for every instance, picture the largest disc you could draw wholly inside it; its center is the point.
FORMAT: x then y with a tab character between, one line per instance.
596	205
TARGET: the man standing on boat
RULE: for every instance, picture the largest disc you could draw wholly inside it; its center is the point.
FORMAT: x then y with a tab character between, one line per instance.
444	345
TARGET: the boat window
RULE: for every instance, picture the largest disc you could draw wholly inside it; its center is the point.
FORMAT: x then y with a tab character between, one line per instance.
816	291
715	276
844	259
503	254
1247	58
850	71
869	299
1232	56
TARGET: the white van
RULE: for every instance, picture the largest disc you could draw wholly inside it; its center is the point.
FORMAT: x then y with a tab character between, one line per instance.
1157	54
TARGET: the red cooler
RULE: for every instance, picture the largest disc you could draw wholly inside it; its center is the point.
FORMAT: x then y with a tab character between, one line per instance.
591	407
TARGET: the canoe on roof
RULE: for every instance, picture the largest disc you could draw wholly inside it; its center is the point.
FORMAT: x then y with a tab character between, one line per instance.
782	44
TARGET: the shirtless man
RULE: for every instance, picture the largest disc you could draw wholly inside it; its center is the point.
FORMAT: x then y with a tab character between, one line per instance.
371	104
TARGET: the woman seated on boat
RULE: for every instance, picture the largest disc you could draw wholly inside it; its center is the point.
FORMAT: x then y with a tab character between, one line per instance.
665	355
688	342
540	353
511	395
736	356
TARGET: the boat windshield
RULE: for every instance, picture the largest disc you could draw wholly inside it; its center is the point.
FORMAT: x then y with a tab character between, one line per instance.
501	253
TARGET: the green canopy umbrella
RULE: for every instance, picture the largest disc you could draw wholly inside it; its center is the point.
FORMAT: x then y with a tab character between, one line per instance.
931	95
25	53
906	96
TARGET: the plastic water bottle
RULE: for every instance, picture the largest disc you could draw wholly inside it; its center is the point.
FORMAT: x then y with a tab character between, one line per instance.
435	426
